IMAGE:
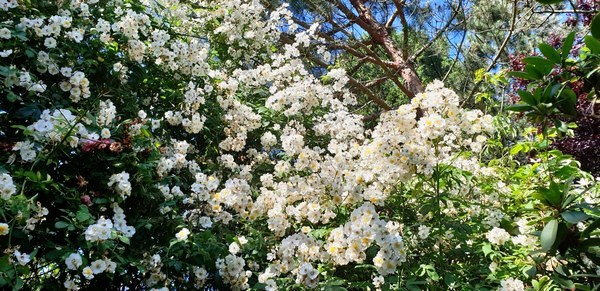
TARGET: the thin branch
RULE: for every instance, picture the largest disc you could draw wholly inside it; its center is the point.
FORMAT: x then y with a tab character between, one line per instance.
458	51
390	21
438	33
362	88
567	11
376	81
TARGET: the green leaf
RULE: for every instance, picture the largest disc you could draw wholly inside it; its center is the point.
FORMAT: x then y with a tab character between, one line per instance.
549	52
574	216
593	226
487	249
527	97
592	43
544	65
550	196
517	149
83	214
335	282
30	53
529	271
534	71
548	2
61	224
124	239
19	284
595	26
567	45
520	108
568	102
548	235
12	97
522	75
564	283
590	242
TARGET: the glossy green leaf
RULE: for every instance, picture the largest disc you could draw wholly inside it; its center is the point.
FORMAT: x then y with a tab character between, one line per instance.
595	26
61	224
568	102
568	45
534	71
124	239
522	75
542	64
593	44
574	217
83	214
527	97
520	107
549	1
551	196
549	52
591	228
548	235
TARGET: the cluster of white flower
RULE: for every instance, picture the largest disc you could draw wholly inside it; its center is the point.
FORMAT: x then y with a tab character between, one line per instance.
47	64
26	150
348	243
307	275
525	236
8	4
169	194
497	236
153	267
120	224
25	80
174	158
240	120
202	186
38	216
294	250
53	126
7	186
77	85
402	145
244	27
511	284
106	113
200	276
193	98
97	267
103	229
236	194
232	270
121	184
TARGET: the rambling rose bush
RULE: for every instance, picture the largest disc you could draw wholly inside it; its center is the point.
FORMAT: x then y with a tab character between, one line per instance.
173	145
